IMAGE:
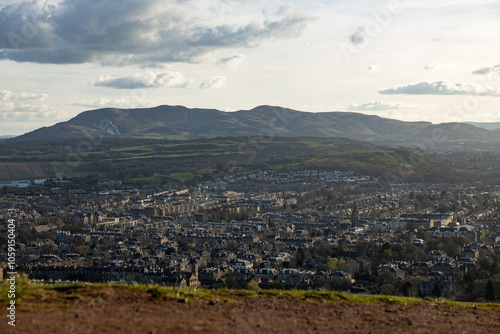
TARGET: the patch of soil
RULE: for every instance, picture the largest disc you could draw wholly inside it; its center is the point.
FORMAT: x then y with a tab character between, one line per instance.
110	310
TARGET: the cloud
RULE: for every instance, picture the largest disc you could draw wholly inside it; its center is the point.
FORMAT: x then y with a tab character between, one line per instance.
130	31
373	68
8	96
439	67
146	80
125	102
357	37
214	82
443	88
379	106
487	69
21	107
231	62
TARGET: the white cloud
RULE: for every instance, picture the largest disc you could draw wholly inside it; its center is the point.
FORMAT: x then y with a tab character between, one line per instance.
214	82
439	67
231	62
146	80
125	102
380	105
131	31
22	107
443	88
487	69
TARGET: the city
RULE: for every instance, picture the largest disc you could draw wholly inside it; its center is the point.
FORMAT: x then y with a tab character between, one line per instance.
412	240
249	166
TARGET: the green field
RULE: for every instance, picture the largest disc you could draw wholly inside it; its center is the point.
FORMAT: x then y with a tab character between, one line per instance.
152	180
182	177
382	157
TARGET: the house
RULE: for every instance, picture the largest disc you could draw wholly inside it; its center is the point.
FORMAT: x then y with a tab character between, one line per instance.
243	273
339	278
445	268
192	280
242	264
319	278
265	274
208	276
428	288
43	228
437	256
224	256
254	258
175	281
420	268
470	253
288	276
388	273
357	262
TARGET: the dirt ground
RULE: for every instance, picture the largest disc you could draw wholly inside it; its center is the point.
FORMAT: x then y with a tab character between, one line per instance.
125	311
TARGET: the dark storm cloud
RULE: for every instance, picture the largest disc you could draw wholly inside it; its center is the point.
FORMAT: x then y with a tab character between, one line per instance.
123	32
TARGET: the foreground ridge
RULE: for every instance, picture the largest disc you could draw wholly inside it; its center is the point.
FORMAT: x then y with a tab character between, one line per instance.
111	308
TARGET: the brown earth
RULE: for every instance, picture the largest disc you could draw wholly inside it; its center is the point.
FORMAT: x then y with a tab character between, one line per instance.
109	310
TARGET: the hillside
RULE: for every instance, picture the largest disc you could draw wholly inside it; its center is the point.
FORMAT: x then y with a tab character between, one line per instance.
150	309
486	125
159	161
178	122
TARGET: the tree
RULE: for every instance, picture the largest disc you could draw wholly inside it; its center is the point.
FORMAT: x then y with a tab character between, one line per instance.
490	291
407	289
421	234
335	264
385	256
300	256
253	285
387	289
436	291
495	268
212	263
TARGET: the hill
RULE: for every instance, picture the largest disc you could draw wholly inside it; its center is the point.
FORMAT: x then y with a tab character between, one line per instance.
178	122
153	309
159	161
486	125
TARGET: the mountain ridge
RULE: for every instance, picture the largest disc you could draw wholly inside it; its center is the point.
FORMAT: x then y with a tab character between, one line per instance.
182	123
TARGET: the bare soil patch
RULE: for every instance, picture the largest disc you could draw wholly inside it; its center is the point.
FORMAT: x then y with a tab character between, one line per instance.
111	310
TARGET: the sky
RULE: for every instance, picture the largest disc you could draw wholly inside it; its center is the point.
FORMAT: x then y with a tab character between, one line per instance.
425	60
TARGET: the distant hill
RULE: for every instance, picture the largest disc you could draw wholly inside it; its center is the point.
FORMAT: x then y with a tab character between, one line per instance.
181	123
486	125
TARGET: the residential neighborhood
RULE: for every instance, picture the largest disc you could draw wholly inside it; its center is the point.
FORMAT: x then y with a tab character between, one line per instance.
413	240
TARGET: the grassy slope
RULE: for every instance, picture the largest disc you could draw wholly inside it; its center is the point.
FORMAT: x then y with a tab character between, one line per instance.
182	160
65	293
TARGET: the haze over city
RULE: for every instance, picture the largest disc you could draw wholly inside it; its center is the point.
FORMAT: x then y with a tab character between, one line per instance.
413	61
